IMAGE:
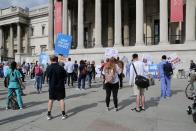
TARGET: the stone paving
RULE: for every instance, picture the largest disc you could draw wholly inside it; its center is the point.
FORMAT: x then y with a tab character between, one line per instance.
86	111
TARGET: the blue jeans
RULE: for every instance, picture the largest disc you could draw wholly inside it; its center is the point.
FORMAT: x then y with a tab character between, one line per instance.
81	80
90	75
38	82
165	87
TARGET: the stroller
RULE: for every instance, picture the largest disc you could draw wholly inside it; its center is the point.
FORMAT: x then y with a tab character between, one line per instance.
192	109
12	101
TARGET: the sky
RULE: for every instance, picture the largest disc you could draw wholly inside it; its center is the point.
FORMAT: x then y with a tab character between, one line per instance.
22	3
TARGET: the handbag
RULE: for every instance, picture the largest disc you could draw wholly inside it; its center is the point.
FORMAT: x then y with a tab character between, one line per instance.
141	81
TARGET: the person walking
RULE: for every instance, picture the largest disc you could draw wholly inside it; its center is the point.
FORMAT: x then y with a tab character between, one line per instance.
165	77
69	67
111	72
138	91
82	75
13	77
38	77
55	78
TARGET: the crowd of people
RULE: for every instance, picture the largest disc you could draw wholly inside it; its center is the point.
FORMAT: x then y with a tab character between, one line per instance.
58	75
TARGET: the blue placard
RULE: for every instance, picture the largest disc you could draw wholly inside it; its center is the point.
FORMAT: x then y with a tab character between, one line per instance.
153	70
63	44
43	58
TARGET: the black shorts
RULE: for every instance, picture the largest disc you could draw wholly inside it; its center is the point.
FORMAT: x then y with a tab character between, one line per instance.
57	94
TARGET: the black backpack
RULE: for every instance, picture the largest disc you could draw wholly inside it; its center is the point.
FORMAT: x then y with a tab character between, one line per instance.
168	70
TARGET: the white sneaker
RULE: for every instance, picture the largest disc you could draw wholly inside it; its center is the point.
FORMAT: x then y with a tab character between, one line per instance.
49	117
64	117
107	109
116	109
77	89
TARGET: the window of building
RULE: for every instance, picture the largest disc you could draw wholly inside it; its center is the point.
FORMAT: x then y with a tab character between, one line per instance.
32	31
33	50
43	29
43	48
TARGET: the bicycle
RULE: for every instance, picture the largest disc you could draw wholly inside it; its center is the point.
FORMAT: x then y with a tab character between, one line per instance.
191	87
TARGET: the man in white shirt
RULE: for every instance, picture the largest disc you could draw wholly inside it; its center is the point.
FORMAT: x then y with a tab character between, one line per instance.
5	68
139	92
69	67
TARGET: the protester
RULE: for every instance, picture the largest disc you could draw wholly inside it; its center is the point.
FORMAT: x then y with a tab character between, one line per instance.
5	68
111	72
192	66
89	73
15	84
69	67
138	91
56	78
38	77
75	73
121	75
164	78
82	75
93	71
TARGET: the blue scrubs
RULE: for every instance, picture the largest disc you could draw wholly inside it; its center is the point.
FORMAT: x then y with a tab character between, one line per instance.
165	81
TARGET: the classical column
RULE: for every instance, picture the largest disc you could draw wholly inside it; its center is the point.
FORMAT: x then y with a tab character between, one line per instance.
69	22
18	38
65	17
98	23
1	37
11	45
163	22
80	24
140	22
190	21
26	51
118	23
126	24
110	24
51	25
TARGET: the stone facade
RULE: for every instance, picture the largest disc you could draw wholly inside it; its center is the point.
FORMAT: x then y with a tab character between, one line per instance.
127	25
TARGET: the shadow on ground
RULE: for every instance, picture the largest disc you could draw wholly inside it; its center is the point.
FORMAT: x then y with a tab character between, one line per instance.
21	116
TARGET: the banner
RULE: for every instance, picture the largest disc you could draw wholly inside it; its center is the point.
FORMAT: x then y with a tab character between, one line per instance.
58	17
63	44
110	52
176	13
153	70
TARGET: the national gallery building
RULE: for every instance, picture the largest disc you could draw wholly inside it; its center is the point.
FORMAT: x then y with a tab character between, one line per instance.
130	26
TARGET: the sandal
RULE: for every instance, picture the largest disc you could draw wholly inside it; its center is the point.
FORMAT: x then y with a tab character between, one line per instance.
135	109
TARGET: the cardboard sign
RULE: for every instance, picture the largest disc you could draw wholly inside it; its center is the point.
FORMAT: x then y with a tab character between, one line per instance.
110	52
63	44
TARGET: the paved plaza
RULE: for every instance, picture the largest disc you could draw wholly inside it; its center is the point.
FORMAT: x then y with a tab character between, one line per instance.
86	111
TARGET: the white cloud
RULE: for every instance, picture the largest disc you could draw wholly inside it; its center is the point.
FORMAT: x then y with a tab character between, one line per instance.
22	3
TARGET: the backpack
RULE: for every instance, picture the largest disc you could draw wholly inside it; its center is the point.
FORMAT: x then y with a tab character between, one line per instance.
109	75
38	70
168	70
84	71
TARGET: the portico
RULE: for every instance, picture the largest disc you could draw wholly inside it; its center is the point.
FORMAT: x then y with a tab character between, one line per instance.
120	23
